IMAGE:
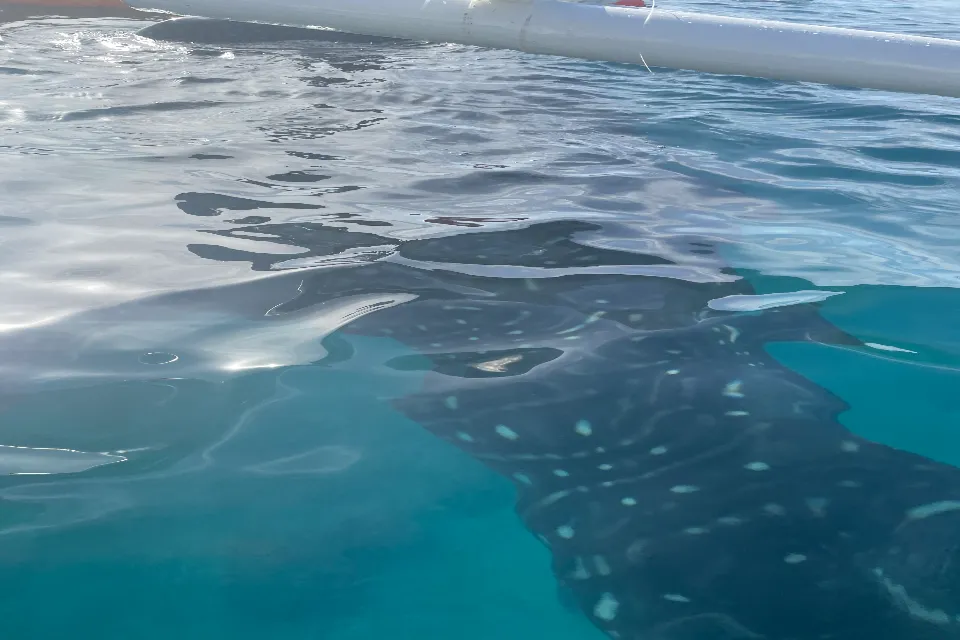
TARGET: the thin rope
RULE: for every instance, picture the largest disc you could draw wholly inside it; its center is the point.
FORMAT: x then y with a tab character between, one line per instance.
649	15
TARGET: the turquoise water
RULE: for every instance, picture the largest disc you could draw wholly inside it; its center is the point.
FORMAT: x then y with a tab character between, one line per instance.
180	458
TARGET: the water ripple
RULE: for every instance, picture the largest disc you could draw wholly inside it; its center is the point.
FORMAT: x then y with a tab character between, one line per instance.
194	210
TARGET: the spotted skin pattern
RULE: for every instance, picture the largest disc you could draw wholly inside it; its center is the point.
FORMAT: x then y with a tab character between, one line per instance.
687	485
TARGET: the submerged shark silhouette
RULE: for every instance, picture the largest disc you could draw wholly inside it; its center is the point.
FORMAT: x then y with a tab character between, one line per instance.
688	486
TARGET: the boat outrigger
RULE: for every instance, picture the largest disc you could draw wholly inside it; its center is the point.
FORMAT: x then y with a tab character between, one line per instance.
625	32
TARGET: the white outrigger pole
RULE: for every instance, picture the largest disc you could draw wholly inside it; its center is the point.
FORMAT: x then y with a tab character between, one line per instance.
656	37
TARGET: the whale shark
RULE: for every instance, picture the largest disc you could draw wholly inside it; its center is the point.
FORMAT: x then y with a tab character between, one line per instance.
687	485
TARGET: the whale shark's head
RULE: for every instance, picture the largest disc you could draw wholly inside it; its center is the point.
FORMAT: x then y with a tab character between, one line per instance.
920	569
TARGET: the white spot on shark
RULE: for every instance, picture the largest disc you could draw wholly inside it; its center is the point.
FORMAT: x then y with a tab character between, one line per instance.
933	509
675	597
580	571
733	389
466	437
636	550
684	488
560	473
628	502
817	505
737	414
601	564
498	365
606	607
658	451
583	428
605	467
506	432
522	477
553	497
914	608
757	466
451	403
566	532
794	558
774	509
734	333
695	531
673	372
849	446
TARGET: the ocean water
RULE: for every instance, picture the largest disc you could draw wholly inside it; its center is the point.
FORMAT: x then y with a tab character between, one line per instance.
194	441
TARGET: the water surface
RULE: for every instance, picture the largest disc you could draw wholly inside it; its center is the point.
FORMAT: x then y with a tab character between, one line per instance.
213	469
